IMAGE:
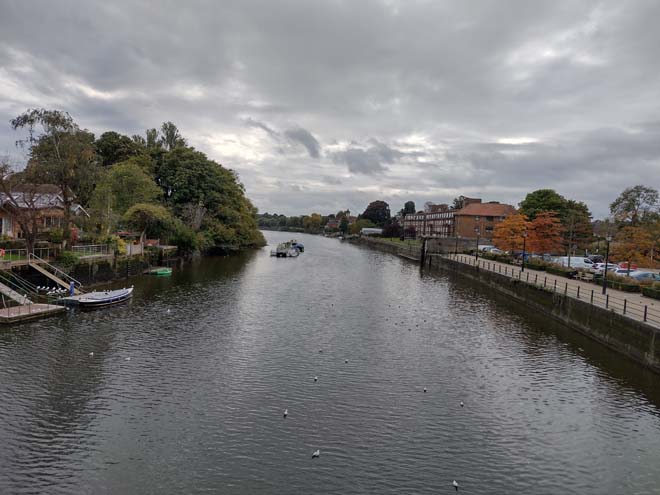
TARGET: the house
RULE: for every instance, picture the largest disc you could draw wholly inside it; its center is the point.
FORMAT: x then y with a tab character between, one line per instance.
44	200
479	219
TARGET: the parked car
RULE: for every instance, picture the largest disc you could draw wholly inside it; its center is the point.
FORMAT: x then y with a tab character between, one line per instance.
596	258
645	276
599	268
623	272
575	261
624	264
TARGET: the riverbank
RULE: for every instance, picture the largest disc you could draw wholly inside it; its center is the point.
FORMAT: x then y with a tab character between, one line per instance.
630	334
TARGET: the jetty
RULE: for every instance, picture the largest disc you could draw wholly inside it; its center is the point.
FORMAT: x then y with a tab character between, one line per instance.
30	311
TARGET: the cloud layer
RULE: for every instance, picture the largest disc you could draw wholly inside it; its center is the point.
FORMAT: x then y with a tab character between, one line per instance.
322	106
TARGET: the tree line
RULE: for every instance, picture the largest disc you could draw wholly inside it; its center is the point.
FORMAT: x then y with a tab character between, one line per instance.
153	183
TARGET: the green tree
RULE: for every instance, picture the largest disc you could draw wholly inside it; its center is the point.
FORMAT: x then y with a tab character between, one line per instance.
542	200
343	225
112	147
170	137
378	212
363	223
635	205
312	223
152	220
61	154
409	207
577	228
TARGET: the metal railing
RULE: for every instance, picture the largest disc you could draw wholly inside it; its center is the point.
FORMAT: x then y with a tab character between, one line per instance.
56	271
91	249
613	300
22	254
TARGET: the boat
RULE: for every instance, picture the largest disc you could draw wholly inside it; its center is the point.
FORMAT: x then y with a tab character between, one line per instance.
286	250
101	299
160	271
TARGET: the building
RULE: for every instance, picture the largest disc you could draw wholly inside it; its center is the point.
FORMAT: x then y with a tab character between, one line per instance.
444	221
480	219
44	199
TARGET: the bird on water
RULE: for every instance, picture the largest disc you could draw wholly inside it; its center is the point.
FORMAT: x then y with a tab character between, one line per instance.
462	404
455	483
316	378
286	413
316	454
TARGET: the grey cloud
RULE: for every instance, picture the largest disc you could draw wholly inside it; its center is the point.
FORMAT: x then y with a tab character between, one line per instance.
304	137
438	82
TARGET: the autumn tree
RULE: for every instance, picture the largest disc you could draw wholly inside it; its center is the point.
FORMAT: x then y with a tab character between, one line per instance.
632	244
508	234
377	212
312	223
545	233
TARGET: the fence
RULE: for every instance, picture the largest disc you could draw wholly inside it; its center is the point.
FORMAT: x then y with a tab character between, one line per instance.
22	254
91	249
612	300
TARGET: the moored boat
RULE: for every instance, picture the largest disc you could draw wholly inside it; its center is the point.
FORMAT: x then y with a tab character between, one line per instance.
101	299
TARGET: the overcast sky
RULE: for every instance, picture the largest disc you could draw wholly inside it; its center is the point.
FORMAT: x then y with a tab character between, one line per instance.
326	105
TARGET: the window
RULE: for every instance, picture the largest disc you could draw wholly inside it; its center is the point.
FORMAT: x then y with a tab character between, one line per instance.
489	219
489	229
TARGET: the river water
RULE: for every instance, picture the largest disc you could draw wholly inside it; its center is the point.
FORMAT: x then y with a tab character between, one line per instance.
187	386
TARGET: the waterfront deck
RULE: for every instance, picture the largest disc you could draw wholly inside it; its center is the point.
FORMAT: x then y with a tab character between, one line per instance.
27	312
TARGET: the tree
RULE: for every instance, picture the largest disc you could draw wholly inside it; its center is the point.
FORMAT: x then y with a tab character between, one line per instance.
635	205
508	234
393	229
312	223
152	220
113	147
377	212
363	223
542	200
632	244
545	233
170	137
409	207
343	225
578	230
21	198
61	154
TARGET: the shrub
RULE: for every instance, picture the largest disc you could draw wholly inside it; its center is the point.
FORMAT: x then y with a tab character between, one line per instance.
67	259
561	270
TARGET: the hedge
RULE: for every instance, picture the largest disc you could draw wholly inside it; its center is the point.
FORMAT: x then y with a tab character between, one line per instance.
651	292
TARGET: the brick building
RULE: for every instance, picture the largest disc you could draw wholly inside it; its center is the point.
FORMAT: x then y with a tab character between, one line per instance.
443	221
482	216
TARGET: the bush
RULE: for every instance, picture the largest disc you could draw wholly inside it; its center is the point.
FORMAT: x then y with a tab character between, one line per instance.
56	236
67	259
502	258
561	270
537	264
652	291
622	283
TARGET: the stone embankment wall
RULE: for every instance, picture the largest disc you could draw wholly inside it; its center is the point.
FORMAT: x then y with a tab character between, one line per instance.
100	271
637	340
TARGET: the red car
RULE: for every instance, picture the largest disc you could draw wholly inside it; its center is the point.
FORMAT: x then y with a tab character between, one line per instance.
624	265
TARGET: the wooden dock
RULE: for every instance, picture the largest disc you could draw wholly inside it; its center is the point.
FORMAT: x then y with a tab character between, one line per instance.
27	312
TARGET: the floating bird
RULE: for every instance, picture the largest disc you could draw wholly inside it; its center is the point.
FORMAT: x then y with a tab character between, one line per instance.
455	483
424	389
316	378
462	404
128	359
286	413
321	351
346	360
169	310
316	454
91	353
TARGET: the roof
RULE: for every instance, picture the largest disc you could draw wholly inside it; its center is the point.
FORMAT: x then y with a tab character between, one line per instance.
487	210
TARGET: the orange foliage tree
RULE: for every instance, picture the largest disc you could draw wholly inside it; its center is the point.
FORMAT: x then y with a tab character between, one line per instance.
508	234
632	244
545	233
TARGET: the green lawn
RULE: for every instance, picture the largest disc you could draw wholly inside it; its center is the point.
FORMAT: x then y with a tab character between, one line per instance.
396	240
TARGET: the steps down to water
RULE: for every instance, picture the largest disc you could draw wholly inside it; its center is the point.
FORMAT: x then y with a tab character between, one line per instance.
13	295
52	276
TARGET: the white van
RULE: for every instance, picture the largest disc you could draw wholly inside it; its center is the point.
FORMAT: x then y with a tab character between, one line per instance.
575	261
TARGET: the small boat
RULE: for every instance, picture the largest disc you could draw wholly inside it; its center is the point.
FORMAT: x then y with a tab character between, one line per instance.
101	299
285	250
160	271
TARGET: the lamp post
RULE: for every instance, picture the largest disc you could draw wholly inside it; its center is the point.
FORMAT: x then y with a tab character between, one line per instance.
456	249
476	254
607	257
523	255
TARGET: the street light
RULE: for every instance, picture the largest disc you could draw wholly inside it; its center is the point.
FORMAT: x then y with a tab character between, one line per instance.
476	254
523	256
456	250
607	257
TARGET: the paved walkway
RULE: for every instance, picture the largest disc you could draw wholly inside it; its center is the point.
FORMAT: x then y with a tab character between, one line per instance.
631	304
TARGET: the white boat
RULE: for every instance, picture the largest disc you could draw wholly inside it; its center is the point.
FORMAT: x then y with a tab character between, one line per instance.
286	250
101	299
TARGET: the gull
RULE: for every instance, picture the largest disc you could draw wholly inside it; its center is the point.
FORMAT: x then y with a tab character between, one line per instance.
345	360
462	404
316	454
316	378
286	412
424	389
169	310
128	359
455	483
91	353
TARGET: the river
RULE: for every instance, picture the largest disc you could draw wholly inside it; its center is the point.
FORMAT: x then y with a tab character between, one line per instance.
186	388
